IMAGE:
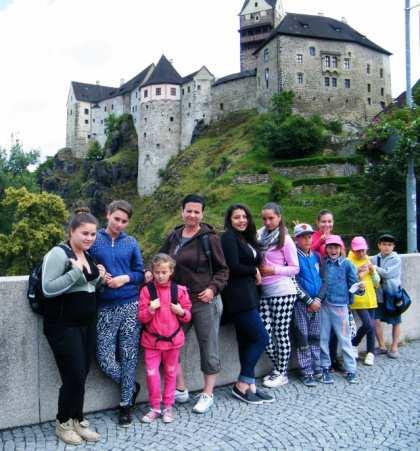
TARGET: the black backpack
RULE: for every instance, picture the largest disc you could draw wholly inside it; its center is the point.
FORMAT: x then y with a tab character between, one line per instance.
34	294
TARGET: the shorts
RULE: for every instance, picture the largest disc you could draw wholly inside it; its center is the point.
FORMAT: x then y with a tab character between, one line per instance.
206	322
385	317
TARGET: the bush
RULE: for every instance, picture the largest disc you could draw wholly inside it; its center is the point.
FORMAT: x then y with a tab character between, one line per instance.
335	127
280	189
95	152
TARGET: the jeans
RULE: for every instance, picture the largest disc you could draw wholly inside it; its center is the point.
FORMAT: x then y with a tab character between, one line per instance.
336	318
367	316
252	339
73	348
170	361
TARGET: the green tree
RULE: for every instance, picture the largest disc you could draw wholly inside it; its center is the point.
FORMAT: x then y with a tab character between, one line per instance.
19	160
36	225
95	152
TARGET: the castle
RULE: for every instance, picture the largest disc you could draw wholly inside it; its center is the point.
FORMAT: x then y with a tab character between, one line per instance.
333	70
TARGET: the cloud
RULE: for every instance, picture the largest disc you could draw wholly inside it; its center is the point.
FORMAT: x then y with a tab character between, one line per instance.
89	53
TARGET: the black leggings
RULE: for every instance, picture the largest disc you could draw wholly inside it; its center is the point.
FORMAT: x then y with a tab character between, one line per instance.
73	348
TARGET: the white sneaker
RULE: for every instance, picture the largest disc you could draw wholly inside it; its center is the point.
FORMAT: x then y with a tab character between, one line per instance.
270	375
356	352
369	359
276	380
204	403
182	396
66	433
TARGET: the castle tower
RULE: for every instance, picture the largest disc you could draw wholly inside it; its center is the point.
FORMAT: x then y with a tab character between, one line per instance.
258	18
160	124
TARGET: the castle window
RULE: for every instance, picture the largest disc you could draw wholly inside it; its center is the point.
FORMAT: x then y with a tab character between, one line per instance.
145	120
189	89
382	92
346	63
158	91
382	105
144	134
381	73
334	82
266	55
267	76
88	136
327	61
86	111
347	83
256	4
105	108
299	58
93	120
312	51
369	100
86	121
171	119
146	93
71	112
112	106
334	61
368	68
147	107
221	106
369	87
183	91
173	91
158	146
136	94
327	82
257	17
189	104
198	87
102	121
347	100
300	78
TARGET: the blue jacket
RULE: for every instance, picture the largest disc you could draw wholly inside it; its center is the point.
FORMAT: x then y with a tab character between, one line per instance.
123	256
337	277
309	278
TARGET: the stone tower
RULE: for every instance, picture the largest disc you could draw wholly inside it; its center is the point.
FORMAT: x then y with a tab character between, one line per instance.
160	124
258	18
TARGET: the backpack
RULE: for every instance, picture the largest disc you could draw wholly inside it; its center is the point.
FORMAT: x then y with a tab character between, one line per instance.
174	300
34	294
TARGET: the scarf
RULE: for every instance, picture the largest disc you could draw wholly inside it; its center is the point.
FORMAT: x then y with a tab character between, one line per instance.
267	239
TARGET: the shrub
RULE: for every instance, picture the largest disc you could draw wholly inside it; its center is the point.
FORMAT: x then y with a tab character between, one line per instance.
334	126
280	189
95	152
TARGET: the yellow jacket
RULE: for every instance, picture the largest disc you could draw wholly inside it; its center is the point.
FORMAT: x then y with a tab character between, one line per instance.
368	300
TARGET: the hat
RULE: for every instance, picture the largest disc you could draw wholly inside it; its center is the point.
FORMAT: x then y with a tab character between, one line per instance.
387	237
302	229
334	239
358	243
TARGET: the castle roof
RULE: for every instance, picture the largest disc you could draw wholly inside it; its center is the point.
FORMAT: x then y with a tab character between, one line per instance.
135	81
190	77
272	3
320	27
164	73
234	77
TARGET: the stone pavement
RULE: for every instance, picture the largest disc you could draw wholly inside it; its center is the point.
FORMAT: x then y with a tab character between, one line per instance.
381	413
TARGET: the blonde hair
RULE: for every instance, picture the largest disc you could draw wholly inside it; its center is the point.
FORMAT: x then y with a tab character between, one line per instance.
158	259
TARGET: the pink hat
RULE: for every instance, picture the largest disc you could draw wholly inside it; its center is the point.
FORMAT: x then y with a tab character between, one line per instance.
358	243
334	239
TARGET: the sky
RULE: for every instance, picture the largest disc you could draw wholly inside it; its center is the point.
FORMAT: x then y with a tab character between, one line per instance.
45	44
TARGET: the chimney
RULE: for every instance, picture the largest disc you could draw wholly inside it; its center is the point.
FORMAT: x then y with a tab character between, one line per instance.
321	14
344	20
121	81
98	82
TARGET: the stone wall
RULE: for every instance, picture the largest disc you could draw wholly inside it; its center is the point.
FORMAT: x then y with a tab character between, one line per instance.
29	379
322	170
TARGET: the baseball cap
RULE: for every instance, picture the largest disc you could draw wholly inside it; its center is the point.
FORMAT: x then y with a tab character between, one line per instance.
387	237
334	239
302	229
358	243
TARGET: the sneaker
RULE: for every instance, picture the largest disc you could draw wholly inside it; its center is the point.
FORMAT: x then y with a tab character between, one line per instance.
66	433
168	415
135	394
276	380
270	375
318	376
124	417
352	378
248	397
327	377
182	396
82	428
356	352
369	359
308	381
151	416
204	403
393	354
266	398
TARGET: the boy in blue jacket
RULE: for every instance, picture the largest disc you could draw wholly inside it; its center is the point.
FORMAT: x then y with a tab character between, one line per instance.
306	324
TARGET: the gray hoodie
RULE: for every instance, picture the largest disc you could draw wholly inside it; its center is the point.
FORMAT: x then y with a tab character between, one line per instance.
389	269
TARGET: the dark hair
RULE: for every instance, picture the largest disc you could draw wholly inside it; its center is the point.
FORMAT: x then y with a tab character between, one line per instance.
250	233
122	205
282	227
193	198
324	212
81	216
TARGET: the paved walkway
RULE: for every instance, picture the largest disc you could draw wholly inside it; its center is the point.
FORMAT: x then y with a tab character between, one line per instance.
382	413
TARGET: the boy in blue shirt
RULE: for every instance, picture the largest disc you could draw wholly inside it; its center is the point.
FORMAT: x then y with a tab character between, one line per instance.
306	323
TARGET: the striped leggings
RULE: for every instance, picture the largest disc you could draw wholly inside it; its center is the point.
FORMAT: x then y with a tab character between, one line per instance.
118	333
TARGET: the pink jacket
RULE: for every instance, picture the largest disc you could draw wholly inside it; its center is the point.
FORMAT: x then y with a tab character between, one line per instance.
318	244
163	321
284	260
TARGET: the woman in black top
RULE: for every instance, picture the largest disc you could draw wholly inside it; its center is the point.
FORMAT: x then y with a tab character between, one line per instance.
241	300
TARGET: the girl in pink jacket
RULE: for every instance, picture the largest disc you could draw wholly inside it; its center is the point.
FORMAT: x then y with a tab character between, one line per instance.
163	306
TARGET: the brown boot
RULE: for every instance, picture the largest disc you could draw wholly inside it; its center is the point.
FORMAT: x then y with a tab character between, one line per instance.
66	433
82	428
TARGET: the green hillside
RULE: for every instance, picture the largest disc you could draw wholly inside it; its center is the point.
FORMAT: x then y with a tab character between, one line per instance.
210	167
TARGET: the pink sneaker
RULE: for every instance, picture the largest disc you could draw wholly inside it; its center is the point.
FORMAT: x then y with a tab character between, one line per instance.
168	415
151	416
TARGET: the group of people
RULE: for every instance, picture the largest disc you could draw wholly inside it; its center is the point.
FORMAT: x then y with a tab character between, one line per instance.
272	285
